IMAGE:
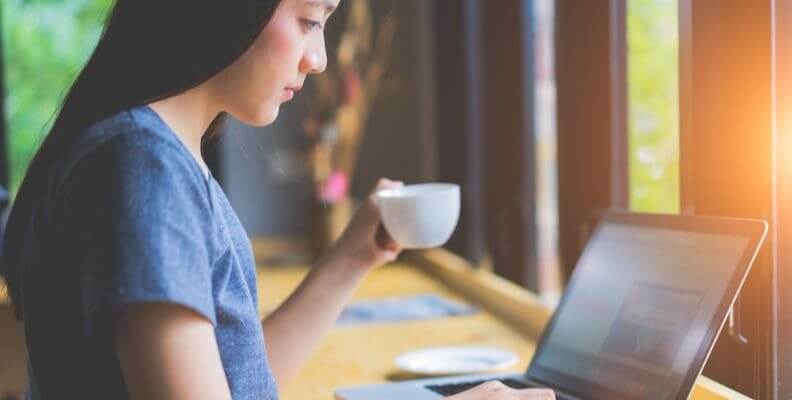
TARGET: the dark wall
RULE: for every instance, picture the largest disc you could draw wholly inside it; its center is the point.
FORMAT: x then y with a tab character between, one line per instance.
399	142
261	168
262	175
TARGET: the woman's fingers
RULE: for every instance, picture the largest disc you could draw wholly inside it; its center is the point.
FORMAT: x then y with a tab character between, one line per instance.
496	390
370	207
385	241
385	183
382	237
365	236
537	394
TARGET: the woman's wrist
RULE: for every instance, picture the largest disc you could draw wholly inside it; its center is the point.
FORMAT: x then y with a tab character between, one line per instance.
343	264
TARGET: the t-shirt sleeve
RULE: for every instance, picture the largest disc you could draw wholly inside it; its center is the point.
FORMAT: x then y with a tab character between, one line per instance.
140	215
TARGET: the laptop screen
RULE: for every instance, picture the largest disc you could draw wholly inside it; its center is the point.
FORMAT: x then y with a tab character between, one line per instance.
642	302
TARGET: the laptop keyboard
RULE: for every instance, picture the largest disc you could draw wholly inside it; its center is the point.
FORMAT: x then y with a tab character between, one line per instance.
454	388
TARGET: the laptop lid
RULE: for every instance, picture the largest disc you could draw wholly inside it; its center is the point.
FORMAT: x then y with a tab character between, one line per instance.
644	305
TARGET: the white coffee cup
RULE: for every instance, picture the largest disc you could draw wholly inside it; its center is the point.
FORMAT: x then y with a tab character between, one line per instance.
421	215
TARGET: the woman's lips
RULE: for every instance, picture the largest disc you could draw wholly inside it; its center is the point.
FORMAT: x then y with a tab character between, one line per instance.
287	94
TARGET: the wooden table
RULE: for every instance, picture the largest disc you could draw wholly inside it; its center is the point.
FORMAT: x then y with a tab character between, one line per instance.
510	317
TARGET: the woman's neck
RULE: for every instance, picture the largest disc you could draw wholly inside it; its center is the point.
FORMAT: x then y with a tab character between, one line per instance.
188	115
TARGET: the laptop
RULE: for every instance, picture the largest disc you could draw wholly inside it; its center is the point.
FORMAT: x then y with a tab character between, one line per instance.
638	319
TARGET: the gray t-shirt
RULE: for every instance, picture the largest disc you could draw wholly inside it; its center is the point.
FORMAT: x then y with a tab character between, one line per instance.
132	218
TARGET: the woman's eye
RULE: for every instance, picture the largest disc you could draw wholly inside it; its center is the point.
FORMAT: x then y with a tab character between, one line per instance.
311	24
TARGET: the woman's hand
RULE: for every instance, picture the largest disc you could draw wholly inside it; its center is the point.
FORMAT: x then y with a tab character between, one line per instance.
365	243
494	390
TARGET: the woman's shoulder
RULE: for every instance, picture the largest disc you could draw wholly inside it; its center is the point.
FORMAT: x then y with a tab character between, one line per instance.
129	135
127	153
133	141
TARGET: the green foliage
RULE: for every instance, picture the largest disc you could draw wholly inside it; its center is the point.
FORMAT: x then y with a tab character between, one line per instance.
45	43
653	90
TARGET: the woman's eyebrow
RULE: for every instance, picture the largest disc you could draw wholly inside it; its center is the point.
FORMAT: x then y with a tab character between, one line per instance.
328	5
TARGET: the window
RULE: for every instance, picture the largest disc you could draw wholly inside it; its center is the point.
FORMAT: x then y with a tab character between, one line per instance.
45	43
546	161
653	105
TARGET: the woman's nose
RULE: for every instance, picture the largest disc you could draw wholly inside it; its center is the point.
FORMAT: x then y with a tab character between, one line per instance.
314	61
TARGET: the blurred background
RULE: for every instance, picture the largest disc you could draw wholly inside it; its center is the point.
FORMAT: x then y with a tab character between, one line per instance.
427	123
545	111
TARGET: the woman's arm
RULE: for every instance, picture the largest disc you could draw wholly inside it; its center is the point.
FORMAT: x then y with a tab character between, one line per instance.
293	331
169	352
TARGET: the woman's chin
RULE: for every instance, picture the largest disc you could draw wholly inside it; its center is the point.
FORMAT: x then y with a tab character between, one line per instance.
260	117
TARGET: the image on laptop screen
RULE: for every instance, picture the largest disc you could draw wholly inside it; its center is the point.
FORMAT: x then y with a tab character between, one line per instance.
644	299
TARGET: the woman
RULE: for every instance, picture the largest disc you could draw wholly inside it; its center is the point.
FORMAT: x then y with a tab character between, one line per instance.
132	273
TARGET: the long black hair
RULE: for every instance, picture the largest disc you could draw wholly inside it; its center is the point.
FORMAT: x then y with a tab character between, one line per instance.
149	50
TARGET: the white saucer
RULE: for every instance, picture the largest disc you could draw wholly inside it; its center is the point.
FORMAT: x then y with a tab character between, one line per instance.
455	360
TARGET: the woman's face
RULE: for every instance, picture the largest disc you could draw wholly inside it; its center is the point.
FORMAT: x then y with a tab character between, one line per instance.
275	66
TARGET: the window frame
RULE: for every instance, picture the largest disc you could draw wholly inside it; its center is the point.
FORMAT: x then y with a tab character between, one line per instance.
781	234
725	146
591	171
591	116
